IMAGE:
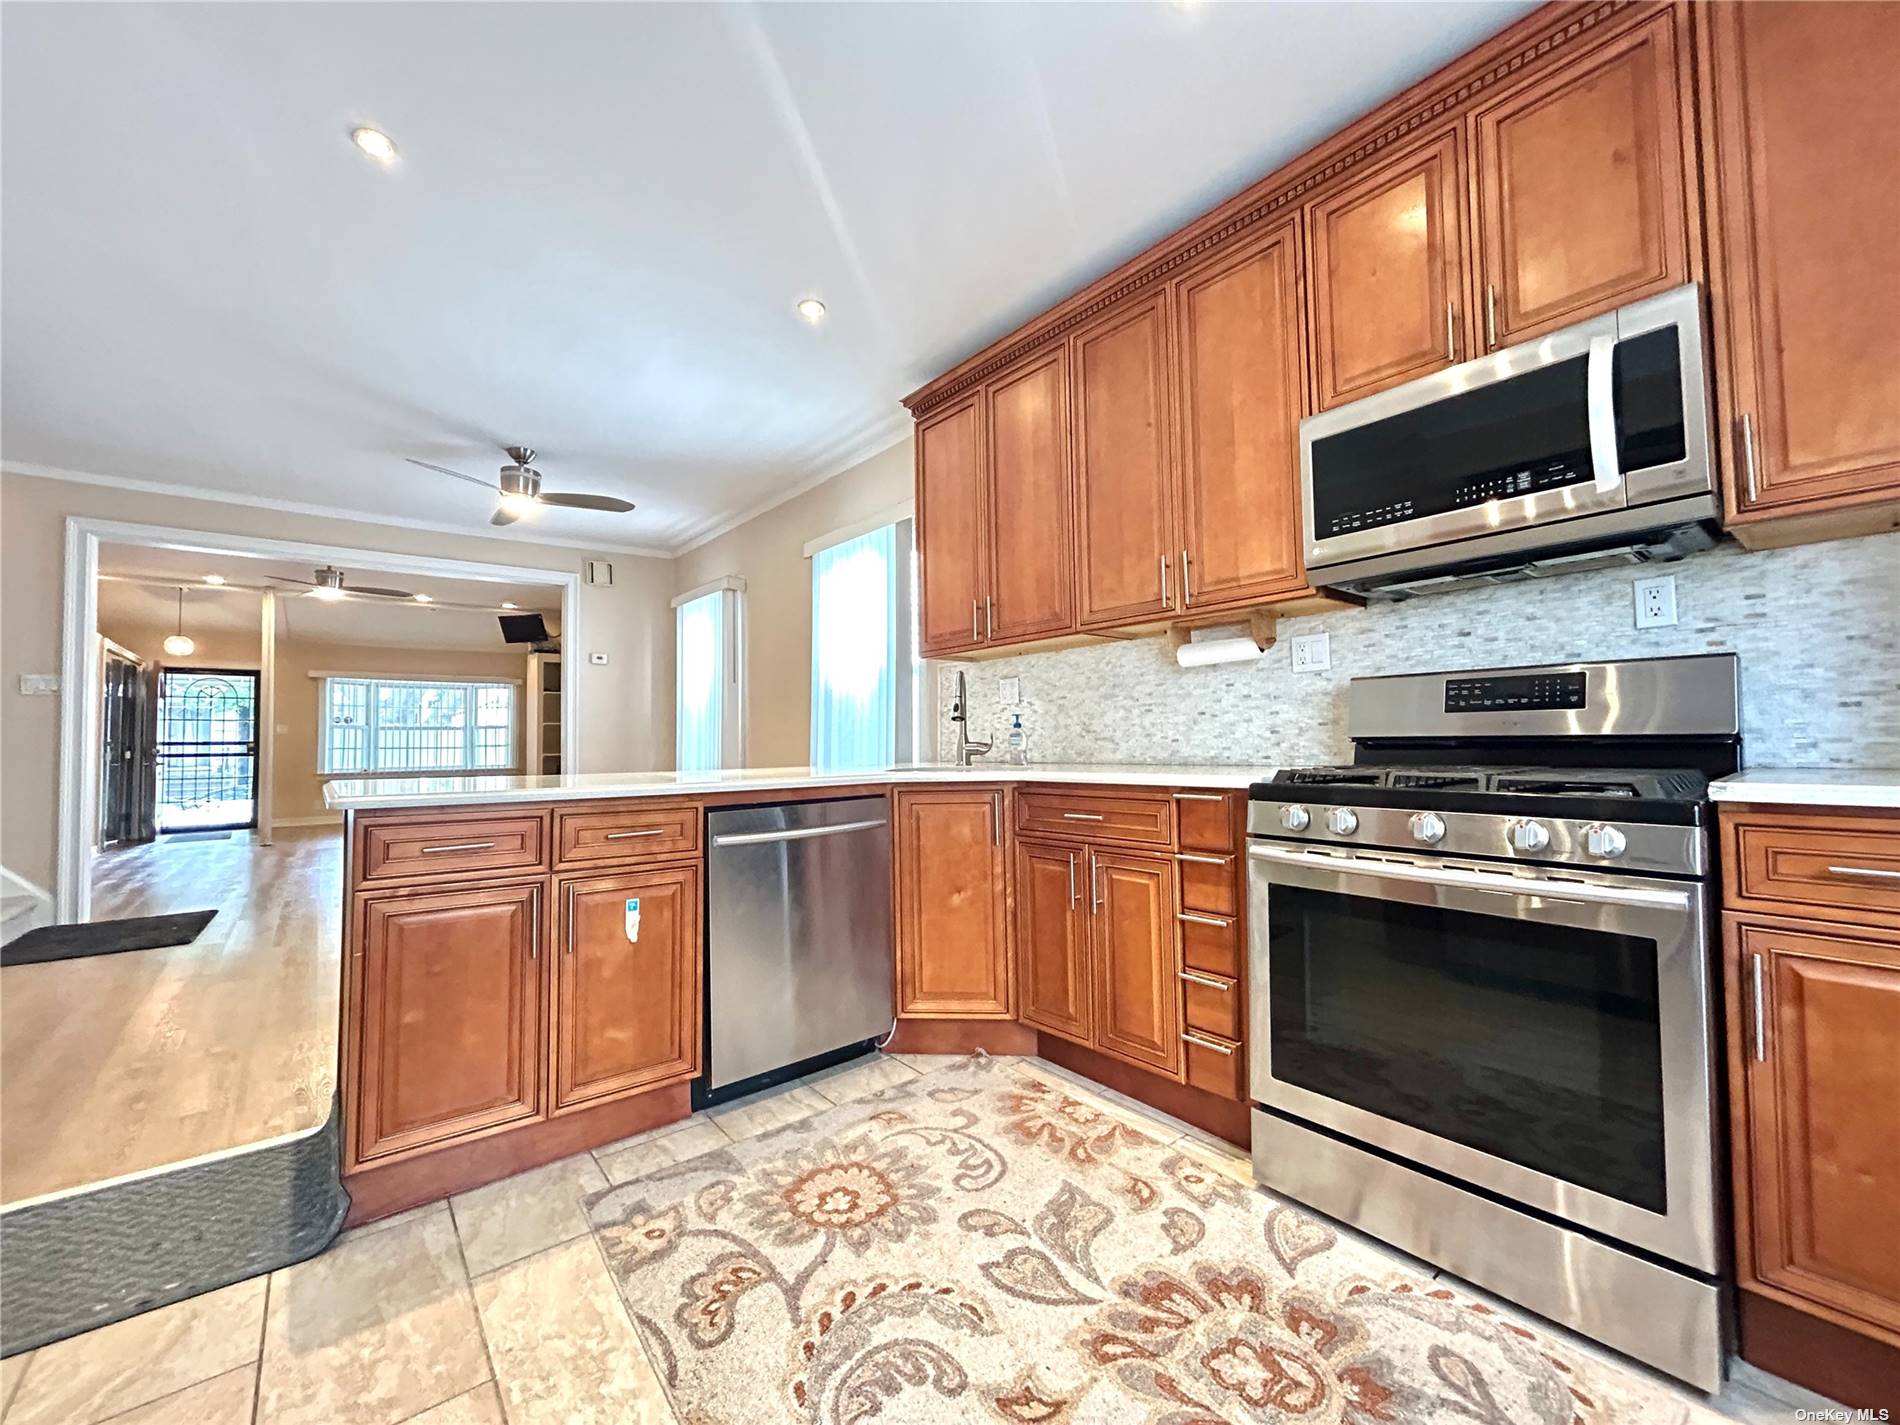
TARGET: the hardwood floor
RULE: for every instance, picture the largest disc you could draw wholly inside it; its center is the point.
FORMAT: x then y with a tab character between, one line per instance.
118	1064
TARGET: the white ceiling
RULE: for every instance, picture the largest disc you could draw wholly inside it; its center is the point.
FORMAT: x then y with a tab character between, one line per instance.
601	219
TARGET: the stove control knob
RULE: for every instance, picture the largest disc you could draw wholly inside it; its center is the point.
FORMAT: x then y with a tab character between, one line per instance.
1295	818
1342	821
1428	827
1530	835
1604	841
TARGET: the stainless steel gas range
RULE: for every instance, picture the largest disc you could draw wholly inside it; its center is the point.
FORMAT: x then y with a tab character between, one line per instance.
1482	1020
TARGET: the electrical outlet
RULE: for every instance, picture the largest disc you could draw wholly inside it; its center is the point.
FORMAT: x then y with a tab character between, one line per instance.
1312	653
1010	692
1656	601
599	660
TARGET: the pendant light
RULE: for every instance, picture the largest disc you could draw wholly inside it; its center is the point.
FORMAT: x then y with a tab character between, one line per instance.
177	644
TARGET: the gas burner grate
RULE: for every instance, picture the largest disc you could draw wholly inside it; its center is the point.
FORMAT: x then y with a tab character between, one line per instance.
1566	787
1437	781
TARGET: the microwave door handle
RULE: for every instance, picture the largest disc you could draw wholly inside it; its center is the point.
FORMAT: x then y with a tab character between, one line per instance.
1600	394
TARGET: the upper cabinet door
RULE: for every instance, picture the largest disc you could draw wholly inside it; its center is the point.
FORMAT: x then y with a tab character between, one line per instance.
1824	1159
1240	383
1581	187
626	1012
1388	275
950	525
1124	524
952	942
1803	222
1032	517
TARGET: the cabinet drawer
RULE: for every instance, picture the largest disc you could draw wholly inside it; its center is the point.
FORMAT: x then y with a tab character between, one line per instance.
624	833
1204	821
1146	820
1833	867
1207	883
412	849
1210	943
1215	1064
1213	1004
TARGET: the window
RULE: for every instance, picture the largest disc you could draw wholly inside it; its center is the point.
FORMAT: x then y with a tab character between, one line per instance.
708	712
864	668
400	725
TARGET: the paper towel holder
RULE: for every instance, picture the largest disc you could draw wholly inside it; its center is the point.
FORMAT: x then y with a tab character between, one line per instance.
1260	626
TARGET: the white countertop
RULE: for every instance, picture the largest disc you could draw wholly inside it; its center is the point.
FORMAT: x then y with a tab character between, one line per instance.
1812	786
362	794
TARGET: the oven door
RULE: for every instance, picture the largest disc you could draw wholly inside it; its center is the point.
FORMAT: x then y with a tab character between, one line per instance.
1544	1037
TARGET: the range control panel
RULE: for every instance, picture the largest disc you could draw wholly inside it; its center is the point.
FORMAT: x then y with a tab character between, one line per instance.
1526	692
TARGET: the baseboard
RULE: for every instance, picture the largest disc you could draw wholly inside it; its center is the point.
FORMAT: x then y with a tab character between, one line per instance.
335	819
1210	1113
960	1036
1843	1365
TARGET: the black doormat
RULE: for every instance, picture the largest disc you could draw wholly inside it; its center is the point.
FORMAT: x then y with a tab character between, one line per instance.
104	937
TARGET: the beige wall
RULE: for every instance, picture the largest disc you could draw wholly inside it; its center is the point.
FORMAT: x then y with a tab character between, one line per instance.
767	552
625	709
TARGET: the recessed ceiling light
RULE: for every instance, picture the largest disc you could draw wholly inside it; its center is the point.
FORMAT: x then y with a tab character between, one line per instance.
423	598
506	604
214	578
812	310
374	142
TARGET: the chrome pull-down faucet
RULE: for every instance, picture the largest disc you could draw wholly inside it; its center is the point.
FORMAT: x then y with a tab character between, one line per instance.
967	750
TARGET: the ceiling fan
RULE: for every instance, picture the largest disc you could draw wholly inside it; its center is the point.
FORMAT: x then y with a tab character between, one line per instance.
329	585
520	489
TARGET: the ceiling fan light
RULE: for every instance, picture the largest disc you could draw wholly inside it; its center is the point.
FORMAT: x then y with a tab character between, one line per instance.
327	592
519	505
423	598
179	646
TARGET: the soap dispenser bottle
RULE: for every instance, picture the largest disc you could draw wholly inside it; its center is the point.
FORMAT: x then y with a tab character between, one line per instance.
1017	754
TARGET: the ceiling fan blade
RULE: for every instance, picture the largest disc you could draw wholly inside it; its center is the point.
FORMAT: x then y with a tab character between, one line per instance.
379	593
503	515
609	503
444	470
286	579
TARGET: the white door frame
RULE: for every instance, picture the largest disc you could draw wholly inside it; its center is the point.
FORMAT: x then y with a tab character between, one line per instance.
79	679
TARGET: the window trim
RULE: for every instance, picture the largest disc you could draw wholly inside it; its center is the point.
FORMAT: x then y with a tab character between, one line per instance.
325	677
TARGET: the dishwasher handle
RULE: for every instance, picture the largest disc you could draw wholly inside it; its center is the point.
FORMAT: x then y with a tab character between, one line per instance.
803	833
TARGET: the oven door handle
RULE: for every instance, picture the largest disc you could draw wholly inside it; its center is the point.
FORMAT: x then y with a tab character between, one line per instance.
1497	884
1600	402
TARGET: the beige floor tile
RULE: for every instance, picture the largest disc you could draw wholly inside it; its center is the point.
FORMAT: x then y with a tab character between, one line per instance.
678	1126
924	1063
528	1213
845	1082
373	1331
480	1406
1796	1397
143	1358
428	1209
750	1116
564	1351
640	1157
223	1400
11	1369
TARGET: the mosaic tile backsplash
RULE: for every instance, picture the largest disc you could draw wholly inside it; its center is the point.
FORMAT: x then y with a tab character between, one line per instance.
1817	630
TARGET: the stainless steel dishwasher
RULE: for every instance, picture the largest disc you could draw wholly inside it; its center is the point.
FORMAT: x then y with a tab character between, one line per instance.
798	939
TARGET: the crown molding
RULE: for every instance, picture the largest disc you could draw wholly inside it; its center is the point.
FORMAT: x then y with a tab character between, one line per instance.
300	507
854	449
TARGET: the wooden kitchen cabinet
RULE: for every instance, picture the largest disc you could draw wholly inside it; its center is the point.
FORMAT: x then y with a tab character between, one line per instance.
952	935
1798	106
1581	184
1124	515
1240	393
952	527
1387	268
1031	586
1052	940
626	987
449	1014
1133	949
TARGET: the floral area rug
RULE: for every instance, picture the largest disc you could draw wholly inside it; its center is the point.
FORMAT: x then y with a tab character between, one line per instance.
976	1244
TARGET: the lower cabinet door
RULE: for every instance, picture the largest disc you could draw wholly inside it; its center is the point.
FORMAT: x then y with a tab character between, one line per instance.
1137	992
1820	1019
1052	950
450	1015
952	933
626	974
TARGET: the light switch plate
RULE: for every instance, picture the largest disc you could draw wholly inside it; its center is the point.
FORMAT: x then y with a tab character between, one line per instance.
1655	601
39	685
1011	692
1312	653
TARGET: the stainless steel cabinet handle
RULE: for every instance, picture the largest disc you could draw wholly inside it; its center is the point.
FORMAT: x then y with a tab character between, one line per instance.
1219	1048
989	617
1095	890
1199	797
1868	872
1187	587
1197	979
803	833
1748	454
629	835
1490	314
459	846
1451	331
1083	816
1204	860
1164	578
1761	1011
1072	894
1193	919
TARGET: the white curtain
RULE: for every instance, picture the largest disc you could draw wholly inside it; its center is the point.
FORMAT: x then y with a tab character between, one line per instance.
701	711
854	652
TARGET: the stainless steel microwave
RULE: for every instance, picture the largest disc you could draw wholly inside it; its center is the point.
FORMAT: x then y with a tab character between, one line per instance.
1586	446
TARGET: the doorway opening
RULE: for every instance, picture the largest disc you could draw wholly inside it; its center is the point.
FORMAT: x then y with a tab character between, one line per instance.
207	750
